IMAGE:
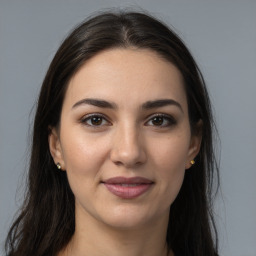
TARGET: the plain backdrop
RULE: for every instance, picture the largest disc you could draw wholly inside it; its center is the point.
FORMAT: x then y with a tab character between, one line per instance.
221	35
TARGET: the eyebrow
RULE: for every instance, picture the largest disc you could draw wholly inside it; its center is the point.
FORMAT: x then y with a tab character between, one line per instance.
161	103
96	102
147	105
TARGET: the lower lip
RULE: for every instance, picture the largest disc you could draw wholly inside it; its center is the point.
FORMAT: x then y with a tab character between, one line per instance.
128	192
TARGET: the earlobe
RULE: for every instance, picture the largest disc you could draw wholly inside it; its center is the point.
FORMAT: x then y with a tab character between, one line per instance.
55	148
195	145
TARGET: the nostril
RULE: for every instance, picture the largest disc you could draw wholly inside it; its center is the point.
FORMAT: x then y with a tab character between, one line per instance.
127	150
118	163
128	164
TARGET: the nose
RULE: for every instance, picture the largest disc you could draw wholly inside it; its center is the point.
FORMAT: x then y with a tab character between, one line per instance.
128	149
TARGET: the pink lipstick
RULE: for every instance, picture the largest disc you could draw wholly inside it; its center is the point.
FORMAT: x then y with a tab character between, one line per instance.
128	188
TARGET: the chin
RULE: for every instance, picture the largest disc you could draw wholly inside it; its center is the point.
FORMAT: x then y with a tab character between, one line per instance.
130	217
131	223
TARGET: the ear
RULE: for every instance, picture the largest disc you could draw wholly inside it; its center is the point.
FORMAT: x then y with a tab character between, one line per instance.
195	143
55	147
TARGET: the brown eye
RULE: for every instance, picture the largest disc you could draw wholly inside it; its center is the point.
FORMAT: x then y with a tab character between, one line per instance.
157	120
161	120
95	120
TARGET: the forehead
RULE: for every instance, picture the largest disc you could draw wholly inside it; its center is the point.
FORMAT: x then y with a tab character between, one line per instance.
126	76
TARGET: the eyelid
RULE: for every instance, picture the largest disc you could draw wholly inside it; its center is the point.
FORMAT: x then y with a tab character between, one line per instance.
88	116
170	118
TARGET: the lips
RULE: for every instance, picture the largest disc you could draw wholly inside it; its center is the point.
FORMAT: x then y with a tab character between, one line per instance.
128	188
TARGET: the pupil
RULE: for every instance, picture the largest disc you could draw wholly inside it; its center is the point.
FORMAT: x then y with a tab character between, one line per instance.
96	120
157	120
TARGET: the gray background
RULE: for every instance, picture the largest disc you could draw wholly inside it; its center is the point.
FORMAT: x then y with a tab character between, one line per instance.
222	37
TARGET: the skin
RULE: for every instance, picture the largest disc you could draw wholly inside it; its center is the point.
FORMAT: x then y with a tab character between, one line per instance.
126	140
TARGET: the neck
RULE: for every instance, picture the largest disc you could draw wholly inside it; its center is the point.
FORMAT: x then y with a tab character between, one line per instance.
96	238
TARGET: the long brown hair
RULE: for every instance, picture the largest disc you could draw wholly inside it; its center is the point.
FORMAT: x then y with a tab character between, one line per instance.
46	221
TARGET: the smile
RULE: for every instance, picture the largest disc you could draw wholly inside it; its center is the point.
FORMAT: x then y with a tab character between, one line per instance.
128	188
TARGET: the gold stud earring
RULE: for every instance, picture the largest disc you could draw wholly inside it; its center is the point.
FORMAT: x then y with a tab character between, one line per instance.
192	162
58	166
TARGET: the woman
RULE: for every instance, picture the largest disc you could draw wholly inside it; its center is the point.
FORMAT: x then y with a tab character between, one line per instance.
122	158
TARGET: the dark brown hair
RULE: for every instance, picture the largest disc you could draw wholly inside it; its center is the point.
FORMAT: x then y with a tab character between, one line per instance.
46	221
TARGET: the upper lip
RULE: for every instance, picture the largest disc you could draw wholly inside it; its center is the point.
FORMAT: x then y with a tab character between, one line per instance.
125	180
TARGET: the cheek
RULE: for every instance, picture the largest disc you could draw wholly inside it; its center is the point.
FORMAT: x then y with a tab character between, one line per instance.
83	157
83	154
171	153
170	160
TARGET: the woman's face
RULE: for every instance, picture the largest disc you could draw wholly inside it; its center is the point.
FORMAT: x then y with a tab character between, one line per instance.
124	138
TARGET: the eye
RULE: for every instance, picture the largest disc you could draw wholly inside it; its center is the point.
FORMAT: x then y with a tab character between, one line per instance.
161	120
95	120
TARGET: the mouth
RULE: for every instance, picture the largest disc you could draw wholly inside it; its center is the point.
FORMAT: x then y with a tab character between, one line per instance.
128	188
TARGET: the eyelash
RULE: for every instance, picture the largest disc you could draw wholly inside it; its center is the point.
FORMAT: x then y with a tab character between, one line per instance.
167	119
89	117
